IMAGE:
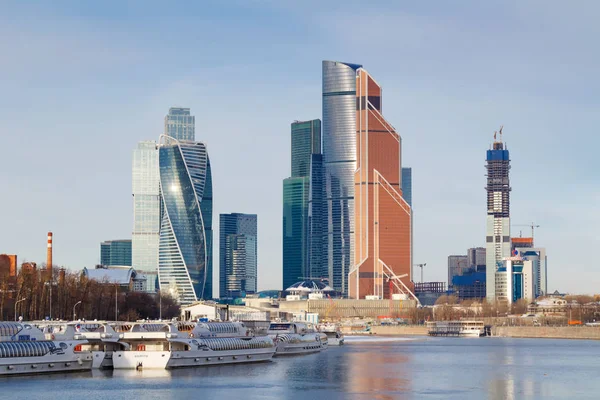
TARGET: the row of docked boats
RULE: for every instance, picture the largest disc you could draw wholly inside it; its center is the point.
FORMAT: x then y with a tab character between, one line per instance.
48	346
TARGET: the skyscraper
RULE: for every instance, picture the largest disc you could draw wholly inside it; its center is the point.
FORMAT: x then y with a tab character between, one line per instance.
146	207
115	252
306	142
457	265
339	159
185	178
476	257
179	124
237	254
382	216
498	212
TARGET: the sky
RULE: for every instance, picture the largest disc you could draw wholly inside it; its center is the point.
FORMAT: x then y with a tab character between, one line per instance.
82	82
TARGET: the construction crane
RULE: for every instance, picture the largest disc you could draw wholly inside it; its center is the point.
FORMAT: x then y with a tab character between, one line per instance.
532	226
420	266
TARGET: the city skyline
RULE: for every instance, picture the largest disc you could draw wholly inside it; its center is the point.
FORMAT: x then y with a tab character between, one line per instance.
445	98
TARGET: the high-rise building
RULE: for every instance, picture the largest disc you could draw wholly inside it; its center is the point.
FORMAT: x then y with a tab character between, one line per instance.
183	257
179	124
476	256
498	212
317	221
407	185
116	252
539	259
382	216
238	262
146	208
339	159
457	265
306	142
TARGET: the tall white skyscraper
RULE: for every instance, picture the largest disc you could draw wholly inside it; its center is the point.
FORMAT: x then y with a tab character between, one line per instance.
179	124
497	243
146	207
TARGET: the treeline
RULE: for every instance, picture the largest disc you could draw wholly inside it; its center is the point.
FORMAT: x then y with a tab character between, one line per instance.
33	296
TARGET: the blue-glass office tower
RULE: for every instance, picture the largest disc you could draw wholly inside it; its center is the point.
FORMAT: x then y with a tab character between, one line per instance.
185	183
306	143
339	156
115	252
179	124
237	254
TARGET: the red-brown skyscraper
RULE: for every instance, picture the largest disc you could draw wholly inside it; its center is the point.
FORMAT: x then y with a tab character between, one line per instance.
382	230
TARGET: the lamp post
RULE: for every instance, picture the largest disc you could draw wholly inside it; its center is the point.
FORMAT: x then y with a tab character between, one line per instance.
76	304
159	305
50	284
17	302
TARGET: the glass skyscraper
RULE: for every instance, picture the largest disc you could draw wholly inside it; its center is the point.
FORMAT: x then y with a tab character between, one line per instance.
237	254
115	252
306	142
185	178
146	207
339	156
179	124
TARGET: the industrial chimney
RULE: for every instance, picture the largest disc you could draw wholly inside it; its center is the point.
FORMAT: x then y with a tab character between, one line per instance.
49	256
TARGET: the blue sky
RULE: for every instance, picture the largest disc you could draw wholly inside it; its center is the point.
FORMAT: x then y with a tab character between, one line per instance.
81	84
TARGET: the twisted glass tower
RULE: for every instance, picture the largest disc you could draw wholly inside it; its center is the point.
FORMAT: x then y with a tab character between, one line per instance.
185	182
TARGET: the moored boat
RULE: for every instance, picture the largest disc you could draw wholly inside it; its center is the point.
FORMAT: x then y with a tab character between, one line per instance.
335	337
163	345
25	349
296	338
456	328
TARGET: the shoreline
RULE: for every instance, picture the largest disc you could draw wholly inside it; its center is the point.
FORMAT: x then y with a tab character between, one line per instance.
522	332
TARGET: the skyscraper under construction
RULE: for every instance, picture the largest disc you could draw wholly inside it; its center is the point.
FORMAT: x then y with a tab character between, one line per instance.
497	241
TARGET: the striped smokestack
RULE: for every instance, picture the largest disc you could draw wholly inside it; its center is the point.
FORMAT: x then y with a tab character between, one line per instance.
49	256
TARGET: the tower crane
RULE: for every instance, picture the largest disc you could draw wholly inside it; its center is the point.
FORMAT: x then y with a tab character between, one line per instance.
532	226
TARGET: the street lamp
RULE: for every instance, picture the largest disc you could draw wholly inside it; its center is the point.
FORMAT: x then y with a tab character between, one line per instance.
50	284
76	304
17	302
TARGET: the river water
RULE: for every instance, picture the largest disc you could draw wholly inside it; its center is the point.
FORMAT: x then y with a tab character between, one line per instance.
365	368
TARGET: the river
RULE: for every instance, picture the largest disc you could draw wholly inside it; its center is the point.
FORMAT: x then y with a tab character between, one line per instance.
364	368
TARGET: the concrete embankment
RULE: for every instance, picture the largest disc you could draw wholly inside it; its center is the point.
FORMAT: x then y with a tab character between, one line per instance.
391	330
548	332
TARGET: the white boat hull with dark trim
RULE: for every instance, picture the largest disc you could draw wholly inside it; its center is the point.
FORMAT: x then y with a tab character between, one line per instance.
293	338
141	359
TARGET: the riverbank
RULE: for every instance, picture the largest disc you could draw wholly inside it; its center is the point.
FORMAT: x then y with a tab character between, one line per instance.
539	332
548	332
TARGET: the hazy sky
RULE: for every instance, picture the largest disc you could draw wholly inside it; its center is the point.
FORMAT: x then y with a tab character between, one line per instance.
80	85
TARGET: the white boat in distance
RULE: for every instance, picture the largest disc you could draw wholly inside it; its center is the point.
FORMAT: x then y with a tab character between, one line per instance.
162	345
335	337
25	349
296	338
456	328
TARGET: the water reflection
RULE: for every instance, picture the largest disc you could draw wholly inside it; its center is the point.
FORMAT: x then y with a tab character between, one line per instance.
379	371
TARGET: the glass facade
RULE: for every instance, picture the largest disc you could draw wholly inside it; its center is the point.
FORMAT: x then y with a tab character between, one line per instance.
232	277
240	265
146	207
339	151
407	185
115	252
183	247
179	124
317	220
305	145
295	230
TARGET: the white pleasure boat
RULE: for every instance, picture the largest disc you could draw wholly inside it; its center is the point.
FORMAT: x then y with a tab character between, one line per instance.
296	338
162	345
455	328
25	349
335	337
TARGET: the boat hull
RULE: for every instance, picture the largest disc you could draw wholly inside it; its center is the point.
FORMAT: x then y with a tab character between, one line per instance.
140	359
45	364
